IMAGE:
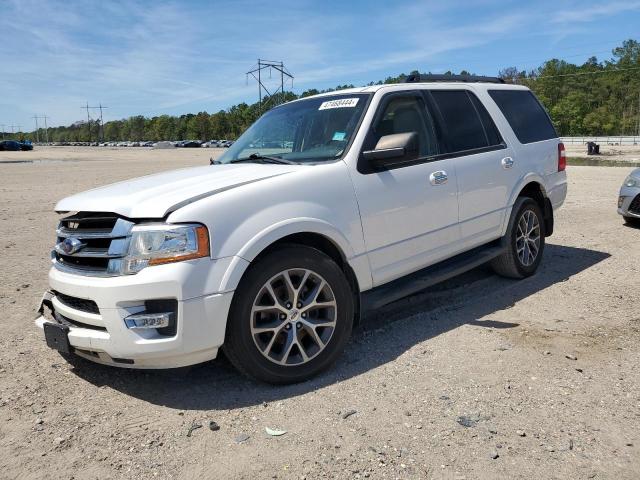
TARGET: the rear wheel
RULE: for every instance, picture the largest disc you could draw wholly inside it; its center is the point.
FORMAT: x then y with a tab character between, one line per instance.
291	316
525	241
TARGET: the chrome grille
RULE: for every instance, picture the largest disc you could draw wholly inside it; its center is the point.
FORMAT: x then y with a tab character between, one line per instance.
91	244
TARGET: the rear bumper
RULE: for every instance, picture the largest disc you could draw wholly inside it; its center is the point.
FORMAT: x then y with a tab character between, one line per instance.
558	193
103	337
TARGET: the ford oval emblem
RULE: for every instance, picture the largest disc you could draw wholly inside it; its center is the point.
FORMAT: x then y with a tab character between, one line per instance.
70	245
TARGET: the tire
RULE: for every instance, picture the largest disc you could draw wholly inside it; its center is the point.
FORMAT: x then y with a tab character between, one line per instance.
632	221
514	262
273	340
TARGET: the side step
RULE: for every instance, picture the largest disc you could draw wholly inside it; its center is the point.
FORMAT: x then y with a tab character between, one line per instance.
422	279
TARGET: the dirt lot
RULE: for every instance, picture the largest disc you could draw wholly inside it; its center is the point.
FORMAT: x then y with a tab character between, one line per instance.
625	153
481	377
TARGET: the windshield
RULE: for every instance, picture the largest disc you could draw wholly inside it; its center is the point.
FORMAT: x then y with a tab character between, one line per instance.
312	130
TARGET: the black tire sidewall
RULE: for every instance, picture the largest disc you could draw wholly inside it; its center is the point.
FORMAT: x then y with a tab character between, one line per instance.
238	336
524	270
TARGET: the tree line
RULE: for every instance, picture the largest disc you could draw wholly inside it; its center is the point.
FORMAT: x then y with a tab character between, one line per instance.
595	98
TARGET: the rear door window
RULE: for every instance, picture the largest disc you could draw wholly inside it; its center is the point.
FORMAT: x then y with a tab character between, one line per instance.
524	113
462	115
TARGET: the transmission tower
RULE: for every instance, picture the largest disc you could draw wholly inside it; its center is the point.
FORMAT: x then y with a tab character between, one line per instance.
2	125
87	107
257	74
35	117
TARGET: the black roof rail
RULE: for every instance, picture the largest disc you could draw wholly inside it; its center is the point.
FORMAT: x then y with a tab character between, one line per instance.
413	78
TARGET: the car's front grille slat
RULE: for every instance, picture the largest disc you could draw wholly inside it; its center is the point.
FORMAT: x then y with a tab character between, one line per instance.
91	244
634	206
82	304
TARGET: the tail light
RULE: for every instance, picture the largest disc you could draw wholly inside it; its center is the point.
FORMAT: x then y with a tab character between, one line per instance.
562	158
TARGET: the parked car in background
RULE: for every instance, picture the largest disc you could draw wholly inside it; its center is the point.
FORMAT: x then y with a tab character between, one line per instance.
10	145
25	146
274	256
629	199
192	144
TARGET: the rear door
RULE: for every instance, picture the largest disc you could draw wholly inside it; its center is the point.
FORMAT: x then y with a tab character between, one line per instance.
483	162
409	212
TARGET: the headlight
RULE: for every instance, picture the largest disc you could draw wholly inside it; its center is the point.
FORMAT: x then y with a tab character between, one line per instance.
631	182
159	244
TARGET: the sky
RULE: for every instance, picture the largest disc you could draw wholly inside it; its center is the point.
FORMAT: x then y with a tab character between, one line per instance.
173	57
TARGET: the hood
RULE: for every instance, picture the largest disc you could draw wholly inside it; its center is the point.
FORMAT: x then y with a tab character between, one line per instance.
154	196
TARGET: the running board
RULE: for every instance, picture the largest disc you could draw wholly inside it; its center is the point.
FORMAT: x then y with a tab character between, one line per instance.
422	279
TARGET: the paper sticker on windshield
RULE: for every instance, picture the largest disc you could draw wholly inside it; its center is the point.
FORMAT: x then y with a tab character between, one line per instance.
341	103
339	136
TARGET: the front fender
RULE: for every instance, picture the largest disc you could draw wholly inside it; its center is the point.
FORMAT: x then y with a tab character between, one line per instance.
263	239
279	230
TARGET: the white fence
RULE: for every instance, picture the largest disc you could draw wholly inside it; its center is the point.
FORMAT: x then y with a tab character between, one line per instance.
610	140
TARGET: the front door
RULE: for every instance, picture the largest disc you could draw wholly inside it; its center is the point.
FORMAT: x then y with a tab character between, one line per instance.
409	213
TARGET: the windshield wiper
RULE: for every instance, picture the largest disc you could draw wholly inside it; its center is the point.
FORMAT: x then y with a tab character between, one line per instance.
264	158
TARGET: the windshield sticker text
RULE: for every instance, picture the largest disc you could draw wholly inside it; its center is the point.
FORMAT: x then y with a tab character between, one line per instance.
342	103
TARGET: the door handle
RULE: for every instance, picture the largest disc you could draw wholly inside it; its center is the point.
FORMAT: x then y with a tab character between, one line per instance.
438	178
507	162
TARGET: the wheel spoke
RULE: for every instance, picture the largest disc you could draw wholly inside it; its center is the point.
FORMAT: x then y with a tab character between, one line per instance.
311	330
293	293
290	342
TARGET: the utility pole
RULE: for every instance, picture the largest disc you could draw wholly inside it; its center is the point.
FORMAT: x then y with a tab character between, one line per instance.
46	129
15	126
269	64
101	122
35	117
87	107
639	114
88	121
2	125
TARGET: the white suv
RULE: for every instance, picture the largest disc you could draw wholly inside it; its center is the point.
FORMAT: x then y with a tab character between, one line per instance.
324	208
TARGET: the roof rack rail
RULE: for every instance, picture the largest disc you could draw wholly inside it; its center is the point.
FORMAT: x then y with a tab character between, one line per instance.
414	78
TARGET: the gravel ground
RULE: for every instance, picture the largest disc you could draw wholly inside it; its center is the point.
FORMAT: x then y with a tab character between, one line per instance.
480	377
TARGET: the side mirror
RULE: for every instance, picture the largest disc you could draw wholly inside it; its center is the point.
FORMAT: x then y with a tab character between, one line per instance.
393	149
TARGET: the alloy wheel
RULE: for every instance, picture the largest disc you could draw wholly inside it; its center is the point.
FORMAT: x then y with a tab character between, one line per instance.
293	317
528	238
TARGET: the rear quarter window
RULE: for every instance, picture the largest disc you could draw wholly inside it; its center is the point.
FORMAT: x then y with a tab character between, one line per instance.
525	114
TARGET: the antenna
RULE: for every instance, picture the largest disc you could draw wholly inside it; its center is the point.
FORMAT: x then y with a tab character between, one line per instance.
271	65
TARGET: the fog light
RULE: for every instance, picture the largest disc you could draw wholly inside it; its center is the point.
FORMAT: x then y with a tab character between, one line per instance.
620	201
149	320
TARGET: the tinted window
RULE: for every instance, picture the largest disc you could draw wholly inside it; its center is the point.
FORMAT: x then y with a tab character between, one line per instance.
408	114
524	113
493	136
461	120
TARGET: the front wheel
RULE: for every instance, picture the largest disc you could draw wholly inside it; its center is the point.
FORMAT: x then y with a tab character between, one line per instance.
290	317
525	241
